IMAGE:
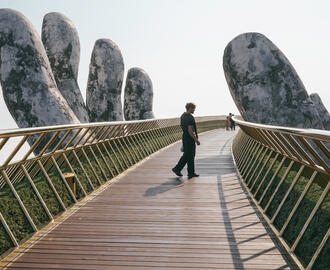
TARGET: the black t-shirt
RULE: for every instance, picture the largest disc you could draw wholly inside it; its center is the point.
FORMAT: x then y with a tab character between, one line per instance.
188	120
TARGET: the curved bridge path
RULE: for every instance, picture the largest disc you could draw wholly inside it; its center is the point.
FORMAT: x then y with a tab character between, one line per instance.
149	220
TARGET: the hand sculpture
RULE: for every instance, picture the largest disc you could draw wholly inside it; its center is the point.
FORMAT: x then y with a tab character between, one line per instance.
138	95
106	73
61	42
265	86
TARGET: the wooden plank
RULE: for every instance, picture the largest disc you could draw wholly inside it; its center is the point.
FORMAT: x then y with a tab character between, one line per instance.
150	220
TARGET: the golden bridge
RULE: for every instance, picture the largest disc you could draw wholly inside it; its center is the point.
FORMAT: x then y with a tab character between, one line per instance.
102	196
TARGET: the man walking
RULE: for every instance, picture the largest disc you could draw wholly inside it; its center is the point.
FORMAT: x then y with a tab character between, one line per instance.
189	141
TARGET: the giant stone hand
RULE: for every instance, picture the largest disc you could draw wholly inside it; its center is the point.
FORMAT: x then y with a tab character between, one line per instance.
265	86
61	42
138	95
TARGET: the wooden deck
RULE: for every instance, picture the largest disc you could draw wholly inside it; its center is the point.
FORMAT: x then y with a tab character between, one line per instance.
147	220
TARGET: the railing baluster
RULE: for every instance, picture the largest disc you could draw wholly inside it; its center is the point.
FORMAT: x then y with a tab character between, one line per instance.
137	153
302	167
82	136
104	160
21	204
61	141
109	156
272	178
322	148
300	149
34	146
114	152
249	159
3	142
83	169
266	175
98	163
294	154
17	148
133	160
51	185
261	169
310	182
316	207
249	176
72	139
63	179
91	166
50	142
140	142
250	150
254	160
75	175
318	250
315	154
44	206
245	152
247	141
278	185
8	230
120	150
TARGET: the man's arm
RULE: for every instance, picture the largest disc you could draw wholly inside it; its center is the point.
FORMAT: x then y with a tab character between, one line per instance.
191	133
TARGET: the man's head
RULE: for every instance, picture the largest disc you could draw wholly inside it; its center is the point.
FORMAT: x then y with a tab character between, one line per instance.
190	107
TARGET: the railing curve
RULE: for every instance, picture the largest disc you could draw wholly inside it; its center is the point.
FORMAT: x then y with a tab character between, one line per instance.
44	171
286	171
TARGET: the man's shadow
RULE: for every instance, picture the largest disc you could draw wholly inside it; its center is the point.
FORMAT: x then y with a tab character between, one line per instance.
163	187
175	182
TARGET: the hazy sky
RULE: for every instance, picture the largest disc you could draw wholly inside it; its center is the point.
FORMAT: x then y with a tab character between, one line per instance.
180	43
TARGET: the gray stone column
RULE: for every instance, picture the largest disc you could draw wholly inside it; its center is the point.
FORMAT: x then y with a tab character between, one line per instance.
106	72
138	95
265	86
27	82
61	42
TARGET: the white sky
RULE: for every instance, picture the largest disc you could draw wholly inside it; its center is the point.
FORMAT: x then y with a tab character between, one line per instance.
180	43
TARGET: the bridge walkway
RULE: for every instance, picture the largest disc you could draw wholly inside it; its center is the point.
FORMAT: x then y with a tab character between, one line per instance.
149	220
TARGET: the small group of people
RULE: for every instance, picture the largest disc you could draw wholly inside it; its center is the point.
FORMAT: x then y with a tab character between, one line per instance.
230	122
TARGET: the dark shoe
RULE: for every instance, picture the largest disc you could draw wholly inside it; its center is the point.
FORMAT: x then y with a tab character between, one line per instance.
193	175
177	172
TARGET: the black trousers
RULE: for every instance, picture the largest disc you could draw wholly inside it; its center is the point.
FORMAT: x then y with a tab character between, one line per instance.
188	157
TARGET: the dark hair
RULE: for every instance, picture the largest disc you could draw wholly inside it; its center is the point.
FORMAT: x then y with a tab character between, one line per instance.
190	105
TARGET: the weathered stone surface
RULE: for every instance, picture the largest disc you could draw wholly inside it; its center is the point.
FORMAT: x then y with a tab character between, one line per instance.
138	95
265	86
106	73
323	112
27	82
61	42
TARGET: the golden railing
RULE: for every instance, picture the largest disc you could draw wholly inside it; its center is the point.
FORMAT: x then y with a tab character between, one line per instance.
34	178
286	171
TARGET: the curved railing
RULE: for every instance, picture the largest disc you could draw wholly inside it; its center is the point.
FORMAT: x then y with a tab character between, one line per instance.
286	172
44	171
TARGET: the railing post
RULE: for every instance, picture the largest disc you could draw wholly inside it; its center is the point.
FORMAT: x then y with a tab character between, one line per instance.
44	206
26	213
8	230
302	167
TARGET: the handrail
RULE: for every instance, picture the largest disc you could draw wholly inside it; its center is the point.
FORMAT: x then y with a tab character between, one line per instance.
286	172
310	133
34	130
36	162
307	146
